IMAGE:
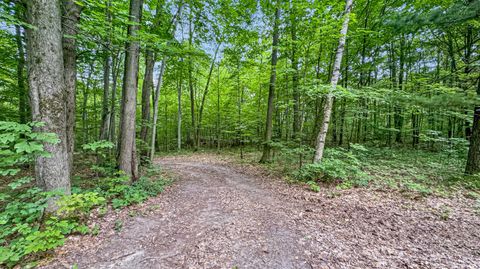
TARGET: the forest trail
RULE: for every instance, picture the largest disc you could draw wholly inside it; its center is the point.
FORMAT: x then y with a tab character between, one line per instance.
223	215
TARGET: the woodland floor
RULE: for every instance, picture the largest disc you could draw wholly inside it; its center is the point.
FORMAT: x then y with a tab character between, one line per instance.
219	214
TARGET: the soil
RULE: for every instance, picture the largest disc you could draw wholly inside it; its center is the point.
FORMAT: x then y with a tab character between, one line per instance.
219	214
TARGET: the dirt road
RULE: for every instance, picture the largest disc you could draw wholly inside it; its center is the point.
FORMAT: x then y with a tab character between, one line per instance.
220	215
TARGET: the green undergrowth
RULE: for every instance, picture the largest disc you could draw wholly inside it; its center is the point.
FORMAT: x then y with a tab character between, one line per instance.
413	172
417	172
27	231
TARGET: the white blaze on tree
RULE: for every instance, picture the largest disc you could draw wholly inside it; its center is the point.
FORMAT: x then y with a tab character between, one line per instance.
327	109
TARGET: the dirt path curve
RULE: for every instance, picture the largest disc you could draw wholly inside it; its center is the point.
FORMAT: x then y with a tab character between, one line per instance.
219	215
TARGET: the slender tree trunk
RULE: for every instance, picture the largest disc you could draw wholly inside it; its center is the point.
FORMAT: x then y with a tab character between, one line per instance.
47	92
205	92
296	94
156	96
398	116
218	108
327	110
71	17
179	113
147	87
146	94
155	106
85	91
115	74
104	131
193	138
106	98
266	156
127	159
22	89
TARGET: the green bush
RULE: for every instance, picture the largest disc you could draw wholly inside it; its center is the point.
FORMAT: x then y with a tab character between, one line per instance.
338	165
19	145
78	205
121	194
23	230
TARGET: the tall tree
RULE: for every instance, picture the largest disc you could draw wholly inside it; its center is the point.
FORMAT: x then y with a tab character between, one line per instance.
156	95
127	159
47	91
327	109
191	88
204	96
70	19
266	156
294	60
107	61
147	86
22	88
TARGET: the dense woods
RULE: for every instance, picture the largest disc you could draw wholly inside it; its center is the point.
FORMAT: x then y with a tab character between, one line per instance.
287	78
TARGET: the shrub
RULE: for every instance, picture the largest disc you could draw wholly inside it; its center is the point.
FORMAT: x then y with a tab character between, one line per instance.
338	165
123	195
24	228
19	145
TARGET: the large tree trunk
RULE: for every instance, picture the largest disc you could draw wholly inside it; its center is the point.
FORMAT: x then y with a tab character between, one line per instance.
127	159
47	91
266	156
473	159
327	110
71	17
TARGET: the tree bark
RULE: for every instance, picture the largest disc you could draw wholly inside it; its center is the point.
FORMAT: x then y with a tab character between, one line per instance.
115	73
71	17
473	159
106	97
127	159
398	116
47	92
266	156
146	94
327	110
147	87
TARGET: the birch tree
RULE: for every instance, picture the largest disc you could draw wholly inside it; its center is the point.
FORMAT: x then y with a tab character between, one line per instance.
327	109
